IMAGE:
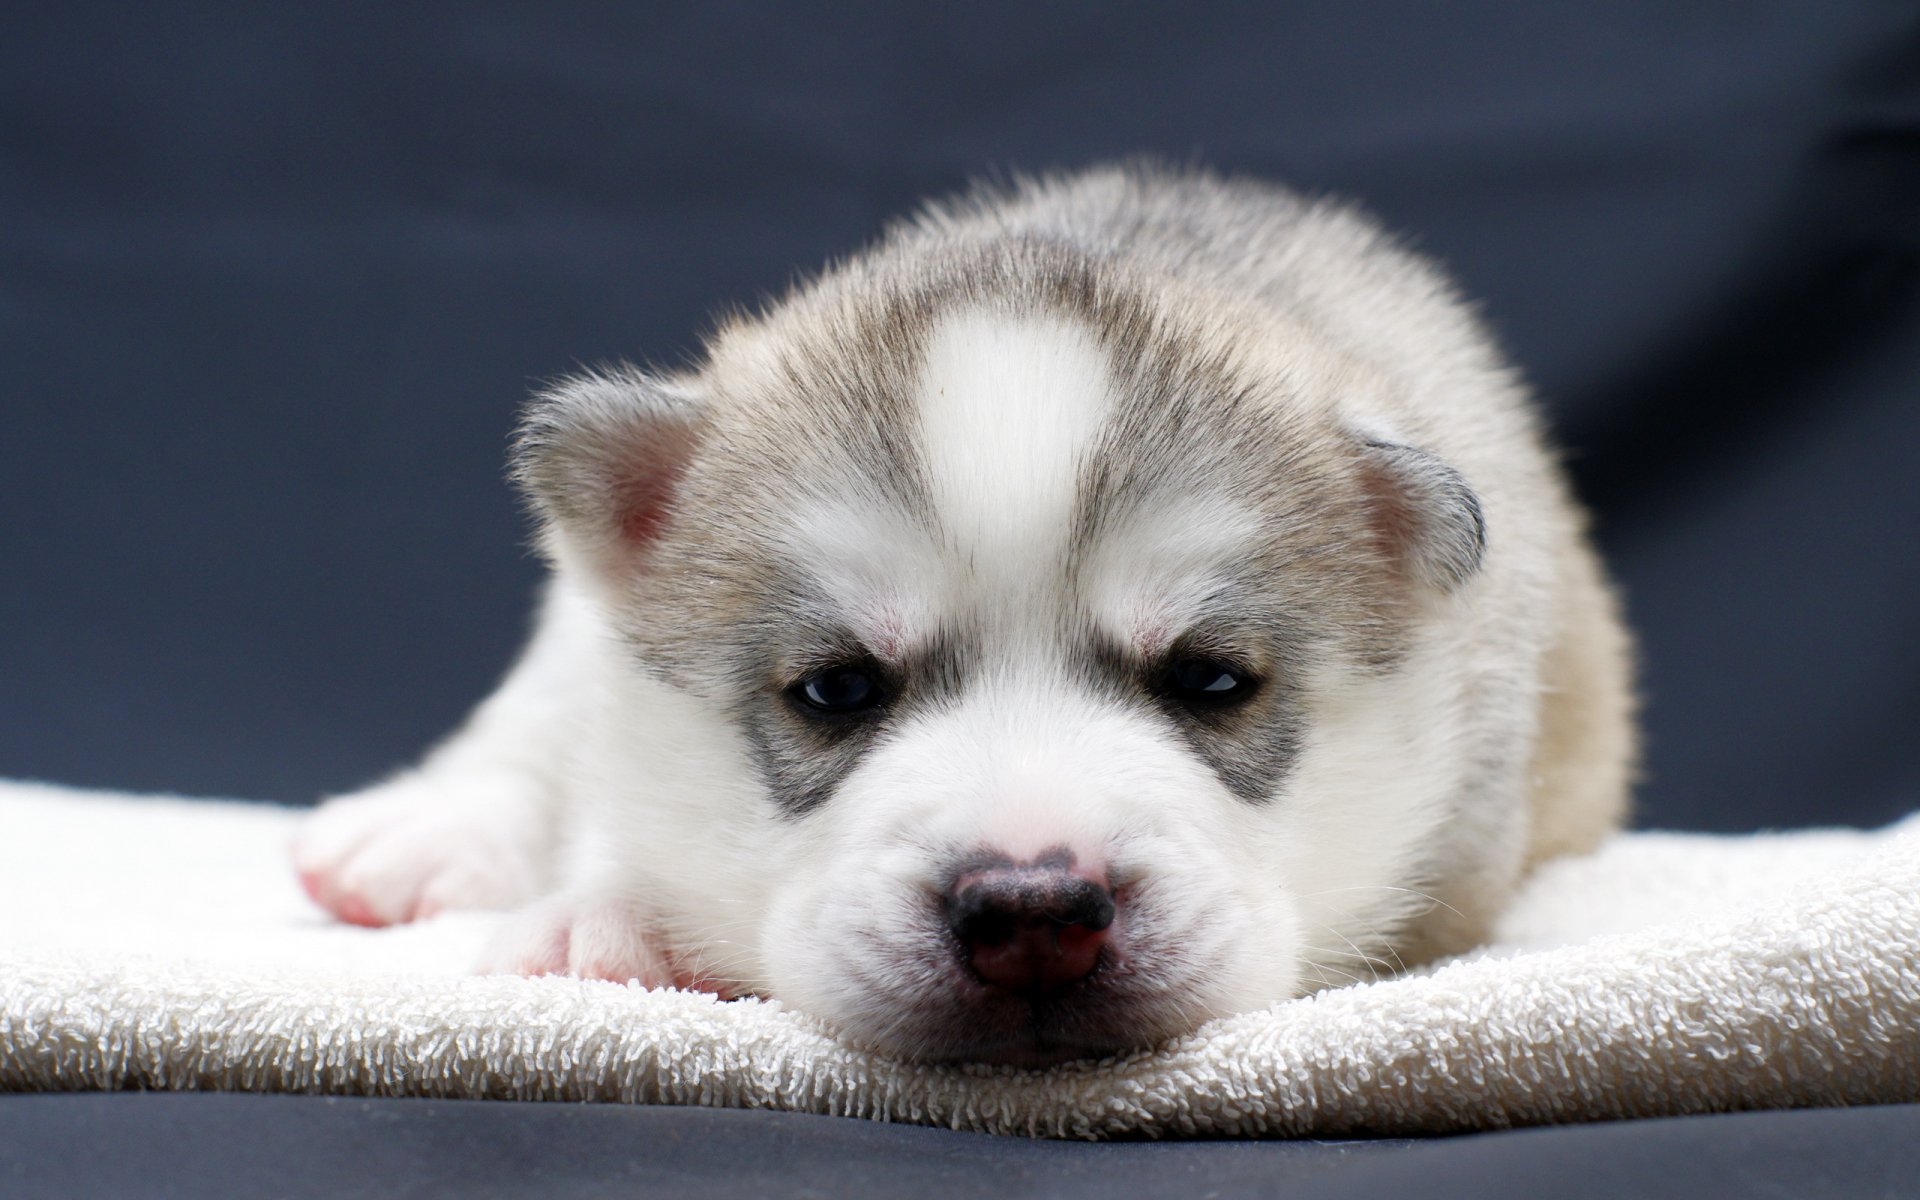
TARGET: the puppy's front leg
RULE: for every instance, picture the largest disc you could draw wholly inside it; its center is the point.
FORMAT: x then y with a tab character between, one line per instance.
592	933
476	824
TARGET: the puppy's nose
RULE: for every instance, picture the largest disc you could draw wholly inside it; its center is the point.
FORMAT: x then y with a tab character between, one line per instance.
1030	927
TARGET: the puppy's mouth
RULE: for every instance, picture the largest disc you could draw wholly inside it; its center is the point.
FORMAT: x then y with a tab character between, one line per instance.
952	1014
1038	1025
1108	1012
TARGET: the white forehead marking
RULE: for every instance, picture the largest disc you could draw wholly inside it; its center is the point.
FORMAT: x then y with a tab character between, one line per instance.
1009	409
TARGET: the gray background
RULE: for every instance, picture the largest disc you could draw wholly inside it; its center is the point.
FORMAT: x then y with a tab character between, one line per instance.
274	278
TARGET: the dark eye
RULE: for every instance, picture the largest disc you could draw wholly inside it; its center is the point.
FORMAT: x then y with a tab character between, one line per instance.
837	690
1197	679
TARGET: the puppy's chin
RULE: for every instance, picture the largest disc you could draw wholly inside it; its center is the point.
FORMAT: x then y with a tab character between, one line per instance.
1037	1054
1033	1033
1094	1019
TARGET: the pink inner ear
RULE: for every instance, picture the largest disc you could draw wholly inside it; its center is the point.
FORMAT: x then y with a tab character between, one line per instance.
1424	515
648	484
1390	513
645	505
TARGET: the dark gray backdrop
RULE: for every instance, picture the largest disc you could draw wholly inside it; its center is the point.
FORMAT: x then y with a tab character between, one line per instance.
274	278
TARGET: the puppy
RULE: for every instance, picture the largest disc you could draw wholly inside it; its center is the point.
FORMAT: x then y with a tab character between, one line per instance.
1106	603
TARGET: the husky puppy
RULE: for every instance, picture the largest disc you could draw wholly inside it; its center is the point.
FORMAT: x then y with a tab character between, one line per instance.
1107	603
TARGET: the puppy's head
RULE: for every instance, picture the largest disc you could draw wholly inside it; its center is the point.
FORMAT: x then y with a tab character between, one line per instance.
1069	636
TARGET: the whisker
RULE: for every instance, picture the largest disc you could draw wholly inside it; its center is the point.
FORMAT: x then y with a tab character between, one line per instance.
1431	899
1373	964
1320	966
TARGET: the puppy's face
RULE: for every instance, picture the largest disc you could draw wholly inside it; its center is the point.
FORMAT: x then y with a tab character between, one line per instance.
1074	654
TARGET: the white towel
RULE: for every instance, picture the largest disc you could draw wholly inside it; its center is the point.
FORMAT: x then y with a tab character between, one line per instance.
162	943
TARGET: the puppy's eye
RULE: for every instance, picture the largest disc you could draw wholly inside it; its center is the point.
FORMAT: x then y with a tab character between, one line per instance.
837	690
1199	680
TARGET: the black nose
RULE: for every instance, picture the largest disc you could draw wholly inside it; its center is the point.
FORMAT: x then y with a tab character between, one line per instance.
1030	927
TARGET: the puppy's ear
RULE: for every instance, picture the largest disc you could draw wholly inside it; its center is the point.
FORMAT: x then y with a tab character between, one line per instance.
601	456
1423	512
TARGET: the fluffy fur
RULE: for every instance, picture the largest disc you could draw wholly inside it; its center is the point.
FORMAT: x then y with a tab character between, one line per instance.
1016	462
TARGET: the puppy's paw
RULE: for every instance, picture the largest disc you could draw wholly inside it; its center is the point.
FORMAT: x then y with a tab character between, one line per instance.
407	850
589	936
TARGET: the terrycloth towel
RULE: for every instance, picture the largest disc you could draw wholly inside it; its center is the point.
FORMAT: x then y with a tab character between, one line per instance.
162	943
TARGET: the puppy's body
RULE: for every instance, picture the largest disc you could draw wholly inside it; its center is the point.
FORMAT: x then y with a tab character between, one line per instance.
1103	605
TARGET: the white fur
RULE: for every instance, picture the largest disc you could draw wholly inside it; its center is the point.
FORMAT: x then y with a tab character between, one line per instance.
632	820
1009	408
1155	579
883	576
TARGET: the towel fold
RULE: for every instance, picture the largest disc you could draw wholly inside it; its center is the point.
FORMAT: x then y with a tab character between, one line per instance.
163	943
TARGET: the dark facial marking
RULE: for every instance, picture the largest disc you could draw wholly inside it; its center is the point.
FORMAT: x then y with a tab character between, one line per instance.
1248	734
806	749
